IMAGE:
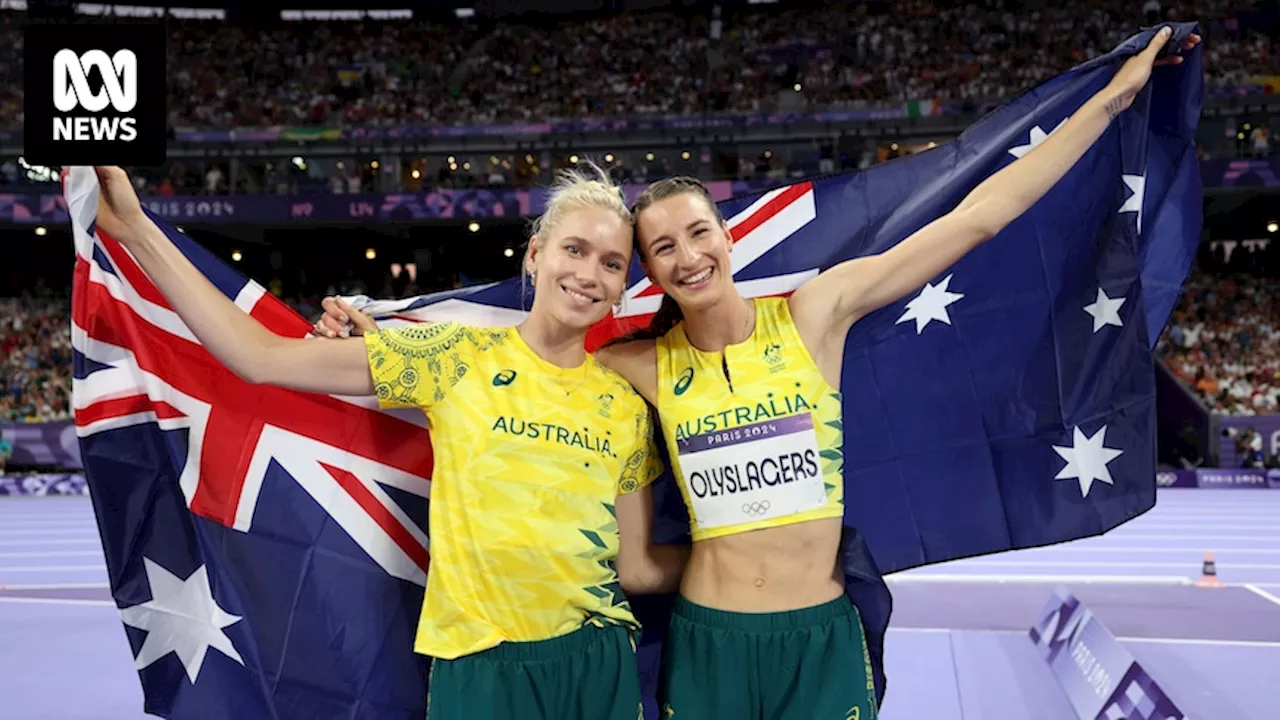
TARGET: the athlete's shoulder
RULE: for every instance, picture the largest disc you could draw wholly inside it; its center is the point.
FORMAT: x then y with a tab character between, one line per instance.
621	354
635	362
777	309
420	339
613	382
433	338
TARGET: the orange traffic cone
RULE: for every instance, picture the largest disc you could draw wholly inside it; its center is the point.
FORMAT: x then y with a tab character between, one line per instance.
1209	574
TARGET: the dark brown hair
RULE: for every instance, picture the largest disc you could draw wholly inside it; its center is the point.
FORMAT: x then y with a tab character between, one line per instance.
669	313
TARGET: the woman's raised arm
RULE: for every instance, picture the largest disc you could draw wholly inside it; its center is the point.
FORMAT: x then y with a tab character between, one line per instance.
238	341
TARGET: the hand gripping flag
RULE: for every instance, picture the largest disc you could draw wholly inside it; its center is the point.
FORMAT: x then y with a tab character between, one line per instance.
267	548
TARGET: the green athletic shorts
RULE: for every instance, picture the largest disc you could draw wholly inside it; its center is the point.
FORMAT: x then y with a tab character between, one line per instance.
808	664
589	674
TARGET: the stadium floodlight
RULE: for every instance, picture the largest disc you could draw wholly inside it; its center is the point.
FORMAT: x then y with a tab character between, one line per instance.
140	11
198	13
464	13
326	15
1273	226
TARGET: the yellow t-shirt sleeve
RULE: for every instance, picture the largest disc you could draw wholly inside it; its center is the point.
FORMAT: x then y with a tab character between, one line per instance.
411	366
644	463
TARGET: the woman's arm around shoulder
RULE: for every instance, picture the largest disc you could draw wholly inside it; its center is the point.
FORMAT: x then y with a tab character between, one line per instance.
637	362
643	565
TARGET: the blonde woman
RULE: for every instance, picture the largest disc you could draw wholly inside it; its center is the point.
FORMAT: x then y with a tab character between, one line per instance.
540	504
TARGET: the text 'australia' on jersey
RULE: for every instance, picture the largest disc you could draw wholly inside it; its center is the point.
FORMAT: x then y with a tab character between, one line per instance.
529	459
754	433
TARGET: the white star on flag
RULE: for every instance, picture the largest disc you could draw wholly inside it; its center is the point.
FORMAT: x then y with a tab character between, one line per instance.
182	617
1105	311
1087	460
1137	185
931	304
1037	136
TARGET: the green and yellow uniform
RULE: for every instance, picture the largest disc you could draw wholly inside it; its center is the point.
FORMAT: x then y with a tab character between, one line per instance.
756	438
523	611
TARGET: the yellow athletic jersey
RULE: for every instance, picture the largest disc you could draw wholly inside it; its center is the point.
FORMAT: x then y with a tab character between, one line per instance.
529	459
755	433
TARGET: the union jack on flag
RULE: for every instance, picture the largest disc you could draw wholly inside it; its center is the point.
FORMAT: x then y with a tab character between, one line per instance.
267	548
288	529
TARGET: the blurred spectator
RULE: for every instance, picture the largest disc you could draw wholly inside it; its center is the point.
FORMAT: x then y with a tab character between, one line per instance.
1249	445
6	452
1261	137
35	360
1224	342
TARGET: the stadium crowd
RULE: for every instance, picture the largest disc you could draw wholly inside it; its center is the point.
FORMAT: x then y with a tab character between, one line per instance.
35	359
840	54
1224	343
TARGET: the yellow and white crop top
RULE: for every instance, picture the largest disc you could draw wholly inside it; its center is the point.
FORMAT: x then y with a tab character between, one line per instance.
754	433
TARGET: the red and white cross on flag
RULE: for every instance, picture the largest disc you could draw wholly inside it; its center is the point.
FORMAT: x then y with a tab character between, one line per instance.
143	365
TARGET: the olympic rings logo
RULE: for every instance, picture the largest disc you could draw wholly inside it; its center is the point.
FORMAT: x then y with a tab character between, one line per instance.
755	509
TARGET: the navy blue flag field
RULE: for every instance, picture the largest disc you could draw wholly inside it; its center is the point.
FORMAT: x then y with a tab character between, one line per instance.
268	549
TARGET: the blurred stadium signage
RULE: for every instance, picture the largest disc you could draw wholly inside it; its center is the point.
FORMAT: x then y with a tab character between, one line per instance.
441	204
1099	676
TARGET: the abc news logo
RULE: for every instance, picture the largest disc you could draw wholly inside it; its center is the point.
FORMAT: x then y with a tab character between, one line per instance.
71	91
95	95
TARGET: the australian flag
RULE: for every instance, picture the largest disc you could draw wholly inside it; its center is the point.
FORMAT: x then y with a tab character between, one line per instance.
267	548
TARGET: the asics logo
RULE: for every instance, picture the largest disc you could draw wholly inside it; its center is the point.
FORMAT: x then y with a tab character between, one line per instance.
755	509
682	382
